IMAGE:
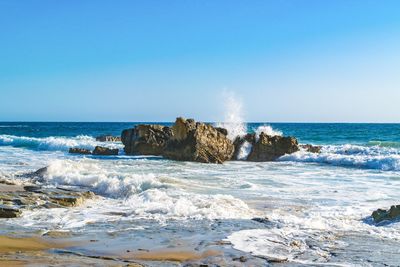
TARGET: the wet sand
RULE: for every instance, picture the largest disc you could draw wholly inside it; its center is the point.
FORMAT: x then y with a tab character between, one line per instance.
171	255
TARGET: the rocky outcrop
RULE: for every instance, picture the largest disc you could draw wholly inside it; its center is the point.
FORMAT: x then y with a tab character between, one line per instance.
77	150
269	148
311	148
108	138
15	198
146	139
105	151
200	142
384	215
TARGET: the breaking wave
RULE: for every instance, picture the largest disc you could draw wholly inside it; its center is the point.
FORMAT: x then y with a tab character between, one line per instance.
143	194
356	156
53	143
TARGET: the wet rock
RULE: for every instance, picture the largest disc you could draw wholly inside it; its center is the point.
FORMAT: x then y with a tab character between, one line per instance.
76	150
105	151
311	148
269	148
57	234
261	220
146	139
67	201
32	188
9	212
198	142
383	215
108	138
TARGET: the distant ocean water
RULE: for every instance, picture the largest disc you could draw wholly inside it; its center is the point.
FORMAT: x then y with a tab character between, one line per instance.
315	200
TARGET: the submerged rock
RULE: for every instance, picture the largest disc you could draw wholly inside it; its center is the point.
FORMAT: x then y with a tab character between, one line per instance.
198	142
105	151
383	215
311	148
108	138
269	148
146	139
76	150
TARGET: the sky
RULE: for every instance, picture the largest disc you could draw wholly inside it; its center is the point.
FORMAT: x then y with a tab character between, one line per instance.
284	61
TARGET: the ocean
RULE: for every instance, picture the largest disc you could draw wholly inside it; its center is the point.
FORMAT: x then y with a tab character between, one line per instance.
316	207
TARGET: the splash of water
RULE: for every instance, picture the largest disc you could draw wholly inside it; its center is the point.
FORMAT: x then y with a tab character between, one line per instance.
233	117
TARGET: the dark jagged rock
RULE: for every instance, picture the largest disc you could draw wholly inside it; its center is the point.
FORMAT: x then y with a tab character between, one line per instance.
383	215
269	148
311	148
198	142
9	212
146	139
77	150
105	151
108	138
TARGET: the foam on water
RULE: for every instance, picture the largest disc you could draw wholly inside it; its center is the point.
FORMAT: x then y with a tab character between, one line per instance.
356	156
139	195
53	143
244	151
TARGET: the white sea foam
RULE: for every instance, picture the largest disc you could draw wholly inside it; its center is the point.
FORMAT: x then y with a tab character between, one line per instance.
244	151
233	118
89	173
267	129
140	195
53	143
387	159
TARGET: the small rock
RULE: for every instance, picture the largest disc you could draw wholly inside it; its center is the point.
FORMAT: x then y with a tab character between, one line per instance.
311	148
9	212
76	150
105	151
261	220
108	138
382	215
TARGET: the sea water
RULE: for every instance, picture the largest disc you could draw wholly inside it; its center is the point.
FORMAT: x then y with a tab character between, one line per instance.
317	206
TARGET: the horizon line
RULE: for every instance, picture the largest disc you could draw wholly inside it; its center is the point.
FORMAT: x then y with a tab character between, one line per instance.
277	122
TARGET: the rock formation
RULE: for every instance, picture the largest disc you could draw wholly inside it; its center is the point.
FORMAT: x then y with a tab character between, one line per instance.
269	148
200	142
146	139
105	151
188	140
14	198
383	215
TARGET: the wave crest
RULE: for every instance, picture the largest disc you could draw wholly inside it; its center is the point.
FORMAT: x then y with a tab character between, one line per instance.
385	159
53	143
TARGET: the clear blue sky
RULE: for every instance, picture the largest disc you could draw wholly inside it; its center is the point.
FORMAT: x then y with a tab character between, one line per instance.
308	61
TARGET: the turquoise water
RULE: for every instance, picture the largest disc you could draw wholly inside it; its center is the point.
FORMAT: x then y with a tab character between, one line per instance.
320	202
